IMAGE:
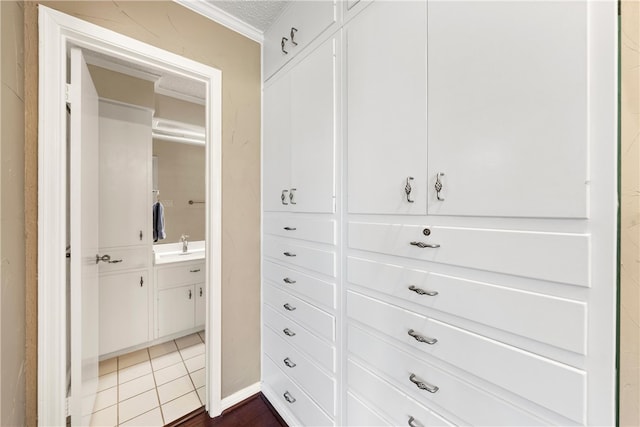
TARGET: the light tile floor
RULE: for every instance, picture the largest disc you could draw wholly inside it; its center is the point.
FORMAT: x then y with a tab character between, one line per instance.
153	386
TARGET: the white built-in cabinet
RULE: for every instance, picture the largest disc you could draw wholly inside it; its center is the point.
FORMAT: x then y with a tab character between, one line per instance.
467	275
124	223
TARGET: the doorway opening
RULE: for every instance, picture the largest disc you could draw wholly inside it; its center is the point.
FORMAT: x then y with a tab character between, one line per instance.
63	37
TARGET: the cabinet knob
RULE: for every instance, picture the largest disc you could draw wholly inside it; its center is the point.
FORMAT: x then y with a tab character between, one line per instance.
282	42
283	197
293	32
292	194
407	189
422	385
141	281
438	186
140	235
200	290
190	294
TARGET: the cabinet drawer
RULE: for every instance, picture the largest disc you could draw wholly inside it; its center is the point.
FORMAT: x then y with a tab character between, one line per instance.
313	259
315	230
292	398
309	18
468	402
557	257
397	406
320	386
558	387
563	324
125	259
300	338
180	274
360	415
307	315
315	290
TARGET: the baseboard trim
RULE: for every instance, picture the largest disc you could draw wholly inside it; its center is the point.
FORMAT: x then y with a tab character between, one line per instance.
239	396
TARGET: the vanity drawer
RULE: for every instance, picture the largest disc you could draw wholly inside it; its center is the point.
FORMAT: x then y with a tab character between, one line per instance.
178	274
125	259
563	325
396	405
315	230
315	290
307	315
319	385
303	340
558	387
557	257
291	397
360	415
468	402
317	260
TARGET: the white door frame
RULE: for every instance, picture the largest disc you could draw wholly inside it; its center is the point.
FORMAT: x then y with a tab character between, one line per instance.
57	33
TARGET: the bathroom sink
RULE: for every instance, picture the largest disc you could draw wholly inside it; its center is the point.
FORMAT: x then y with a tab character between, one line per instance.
168	253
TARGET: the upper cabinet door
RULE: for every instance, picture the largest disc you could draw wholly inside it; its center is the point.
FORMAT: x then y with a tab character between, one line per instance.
313	112
386	109
508	97
277	145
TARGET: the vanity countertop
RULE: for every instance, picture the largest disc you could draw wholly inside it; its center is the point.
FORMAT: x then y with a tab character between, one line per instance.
172	252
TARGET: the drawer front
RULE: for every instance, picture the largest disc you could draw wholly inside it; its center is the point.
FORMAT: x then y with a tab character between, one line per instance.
557	257
307	315
469	403
563	325
316	383
361	415
315	230
558	387
125	259
291	397
395	404
312	289
309	18
180	274
300	338
317	260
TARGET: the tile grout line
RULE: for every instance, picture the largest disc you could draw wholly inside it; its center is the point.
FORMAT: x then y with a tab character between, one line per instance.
118	391
153	374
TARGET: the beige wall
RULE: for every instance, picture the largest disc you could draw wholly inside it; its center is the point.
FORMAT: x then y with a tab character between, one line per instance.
180	111
170	26
121	87
181	177
630	217
12	219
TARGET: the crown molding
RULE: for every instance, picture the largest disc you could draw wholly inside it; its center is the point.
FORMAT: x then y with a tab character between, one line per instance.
218	15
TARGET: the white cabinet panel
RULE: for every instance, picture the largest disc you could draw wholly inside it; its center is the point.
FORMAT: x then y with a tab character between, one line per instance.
386	108
125	175
315	230
277	144
558	387
563	325
201	304
180	273
124	310
316	290
508	108
175	310
361	415
313	259
558	257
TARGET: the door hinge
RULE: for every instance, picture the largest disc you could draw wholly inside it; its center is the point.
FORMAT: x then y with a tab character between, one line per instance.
67	93
67	407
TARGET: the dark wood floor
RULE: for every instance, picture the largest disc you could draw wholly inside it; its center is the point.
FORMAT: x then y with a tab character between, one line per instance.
255	411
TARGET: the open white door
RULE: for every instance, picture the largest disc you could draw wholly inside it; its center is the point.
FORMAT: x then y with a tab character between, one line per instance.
83	213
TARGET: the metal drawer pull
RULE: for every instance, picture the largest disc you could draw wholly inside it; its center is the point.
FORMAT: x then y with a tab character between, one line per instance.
190	294
114	261
288	281
438	187
289	254
294	30
412	424
282	42
422	291
141	281
423	245
288	332
283	197
407	189
289	363
289	307
288	397
194	271
422	385
420	338
290	228
292	194
200	291
107	258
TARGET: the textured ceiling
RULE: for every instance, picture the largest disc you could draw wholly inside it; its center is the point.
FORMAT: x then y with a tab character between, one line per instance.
259	14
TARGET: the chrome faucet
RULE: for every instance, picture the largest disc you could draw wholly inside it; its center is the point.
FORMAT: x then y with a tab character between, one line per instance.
185	243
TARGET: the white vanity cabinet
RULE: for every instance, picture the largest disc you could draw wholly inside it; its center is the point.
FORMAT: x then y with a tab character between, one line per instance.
180	296
300	135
